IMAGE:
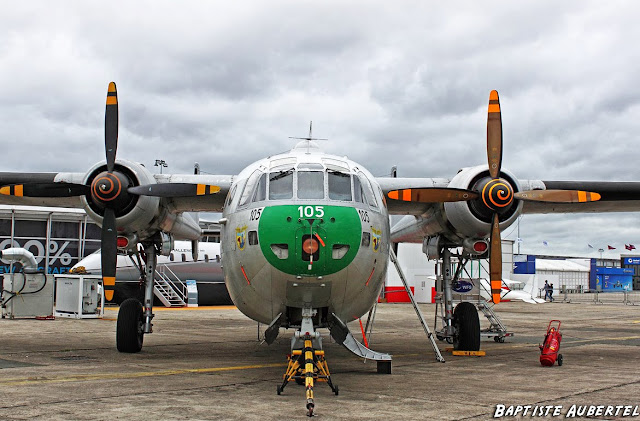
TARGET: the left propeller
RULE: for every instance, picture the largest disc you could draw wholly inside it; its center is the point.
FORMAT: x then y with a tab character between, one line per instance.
110	191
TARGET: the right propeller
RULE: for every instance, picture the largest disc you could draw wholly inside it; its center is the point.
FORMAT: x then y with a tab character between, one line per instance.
493	195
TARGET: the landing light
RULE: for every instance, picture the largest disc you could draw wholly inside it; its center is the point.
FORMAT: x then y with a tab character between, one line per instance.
310	245
122	242
480	246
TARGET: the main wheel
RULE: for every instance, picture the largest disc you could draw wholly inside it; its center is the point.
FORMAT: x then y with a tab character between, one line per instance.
467	328
560	359
129	334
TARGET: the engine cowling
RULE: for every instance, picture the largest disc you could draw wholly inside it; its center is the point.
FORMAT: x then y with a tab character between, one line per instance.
472	219
134	214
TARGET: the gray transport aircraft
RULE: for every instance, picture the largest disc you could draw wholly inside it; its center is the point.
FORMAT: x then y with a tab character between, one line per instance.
306	238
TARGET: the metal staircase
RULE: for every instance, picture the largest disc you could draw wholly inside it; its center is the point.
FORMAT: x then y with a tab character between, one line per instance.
497	329
171	292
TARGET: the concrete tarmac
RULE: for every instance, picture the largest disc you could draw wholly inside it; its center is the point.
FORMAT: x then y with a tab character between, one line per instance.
208	364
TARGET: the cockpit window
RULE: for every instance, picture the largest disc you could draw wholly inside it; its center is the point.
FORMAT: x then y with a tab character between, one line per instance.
230	196
358	194
310	185
281	185
261	189
369	197
248	188
339	186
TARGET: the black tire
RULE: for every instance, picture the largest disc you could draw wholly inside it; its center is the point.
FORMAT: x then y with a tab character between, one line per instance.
129	334
467	328
560	359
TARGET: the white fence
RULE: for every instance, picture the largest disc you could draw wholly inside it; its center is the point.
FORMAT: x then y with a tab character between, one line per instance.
595	297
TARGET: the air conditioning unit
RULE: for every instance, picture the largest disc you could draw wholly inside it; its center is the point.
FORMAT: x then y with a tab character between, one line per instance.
27	295
79	296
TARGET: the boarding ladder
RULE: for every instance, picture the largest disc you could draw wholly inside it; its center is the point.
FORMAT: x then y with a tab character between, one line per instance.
171	292
496	330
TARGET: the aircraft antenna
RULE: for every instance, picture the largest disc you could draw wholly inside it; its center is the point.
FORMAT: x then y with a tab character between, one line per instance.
309	138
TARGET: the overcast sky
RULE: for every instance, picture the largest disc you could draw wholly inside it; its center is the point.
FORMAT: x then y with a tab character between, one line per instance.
401	83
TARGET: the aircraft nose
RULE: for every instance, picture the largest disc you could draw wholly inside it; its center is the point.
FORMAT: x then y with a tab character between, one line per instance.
309	240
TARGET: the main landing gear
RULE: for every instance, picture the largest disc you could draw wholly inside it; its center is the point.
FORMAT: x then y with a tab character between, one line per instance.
307	364
461	327
134	320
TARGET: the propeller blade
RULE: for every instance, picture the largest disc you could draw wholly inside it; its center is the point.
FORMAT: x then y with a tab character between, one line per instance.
558	196
495	260
109	252
432	195
45	190
494	135
111	126
174	190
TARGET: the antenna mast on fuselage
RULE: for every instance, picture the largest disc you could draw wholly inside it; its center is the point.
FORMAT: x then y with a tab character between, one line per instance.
309	138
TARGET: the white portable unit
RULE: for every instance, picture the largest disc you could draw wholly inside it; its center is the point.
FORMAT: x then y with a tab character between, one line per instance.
79	296
27	295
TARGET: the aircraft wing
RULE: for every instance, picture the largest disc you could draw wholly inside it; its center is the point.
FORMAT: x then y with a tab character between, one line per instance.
53	189
615	196
180	192
178	199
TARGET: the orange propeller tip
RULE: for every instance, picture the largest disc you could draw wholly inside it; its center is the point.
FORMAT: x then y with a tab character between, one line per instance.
393	194
595	197
493	95
112	86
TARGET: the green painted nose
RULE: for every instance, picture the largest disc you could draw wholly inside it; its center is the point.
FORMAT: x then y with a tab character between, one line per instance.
309	240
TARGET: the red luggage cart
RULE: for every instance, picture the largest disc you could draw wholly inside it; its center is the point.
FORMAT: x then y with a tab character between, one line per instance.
549	349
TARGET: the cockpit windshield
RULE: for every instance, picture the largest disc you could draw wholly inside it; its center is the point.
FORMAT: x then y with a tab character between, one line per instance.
281	185
339	186
310	185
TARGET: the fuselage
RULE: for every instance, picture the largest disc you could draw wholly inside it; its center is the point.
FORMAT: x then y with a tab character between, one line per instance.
304	229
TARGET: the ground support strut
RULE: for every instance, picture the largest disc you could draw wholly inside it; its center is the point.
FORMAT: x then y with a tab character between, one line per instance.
307	366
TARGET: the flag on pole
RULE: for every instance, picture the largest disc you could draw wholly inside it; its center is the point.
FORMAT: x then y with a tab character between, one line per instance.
611	248
632	247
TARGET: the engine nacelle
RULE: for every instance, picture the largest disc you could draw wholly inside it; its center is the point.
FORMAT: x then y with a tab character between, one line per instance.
473	219
137	214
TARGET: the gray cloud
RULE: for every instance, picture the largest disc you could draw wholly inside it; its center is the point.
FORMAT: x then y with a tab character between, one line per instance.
402	83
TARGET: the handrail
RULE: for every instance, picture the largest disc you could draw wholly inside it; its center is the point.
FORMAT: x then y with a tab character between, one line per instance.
181	290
